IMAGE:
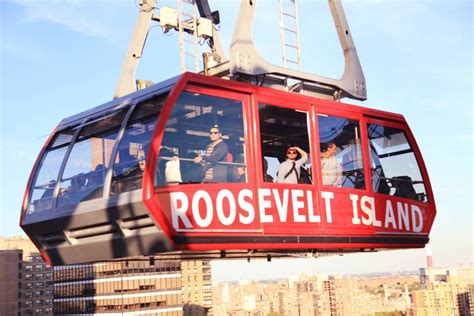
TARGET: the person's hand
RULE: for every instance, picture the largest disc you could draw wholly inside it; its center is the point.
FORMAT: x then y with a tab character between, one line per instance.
175	158
198	159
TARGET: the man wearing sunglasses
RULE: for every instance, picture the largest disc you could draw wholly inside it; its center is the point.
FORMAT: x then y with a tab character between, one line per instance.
216	152
290	168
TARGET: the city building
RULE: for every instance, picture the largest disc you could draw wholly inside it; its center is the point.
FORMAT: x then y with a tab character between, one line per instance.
18	242
444	291
119	287
318	294
133	285
197	287
26	284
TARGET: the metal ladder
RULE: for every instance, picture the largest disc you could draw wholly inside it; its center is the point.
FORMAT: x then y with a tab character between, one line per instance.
188	41
289	36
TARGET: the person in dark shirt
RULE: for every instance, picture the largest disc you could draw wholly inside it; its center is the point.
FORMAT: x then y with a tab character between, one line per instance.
216	152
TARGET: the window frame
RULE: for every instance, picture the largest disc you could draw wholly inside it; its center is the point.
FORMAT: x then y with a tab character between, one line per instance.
321	109
288	103
247	132
416	151
84	124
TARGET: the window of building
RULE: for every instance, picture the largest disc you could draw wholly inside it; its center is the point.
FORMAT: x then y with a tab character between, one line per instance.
394	168
203	142
285	145
341	152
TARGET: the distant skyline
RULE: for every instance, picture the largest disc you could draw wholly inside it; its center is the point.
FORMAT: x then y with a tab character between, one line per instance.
61	58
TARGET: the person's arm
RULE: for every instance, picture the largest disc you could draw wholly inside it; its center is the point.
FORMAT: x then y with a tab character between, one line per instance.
304	156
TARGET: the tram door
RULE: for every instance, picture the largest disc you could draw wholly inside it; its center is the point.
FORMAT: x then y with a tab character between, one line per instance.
202	180
286	178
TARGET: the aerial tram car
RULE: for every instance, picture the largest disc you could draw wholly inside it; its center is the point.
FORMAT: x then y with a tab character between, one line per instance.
137	176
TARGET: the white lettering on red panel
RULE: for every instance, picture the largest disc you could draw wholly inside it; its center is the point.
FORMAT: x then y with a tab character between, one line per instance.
231	211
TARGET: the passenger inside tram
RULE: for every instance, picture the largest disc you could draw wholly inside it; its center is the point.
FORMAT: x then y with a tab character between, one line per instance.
217	153
290	170
341	157
331	168
282	130
129	167
204	136
266	176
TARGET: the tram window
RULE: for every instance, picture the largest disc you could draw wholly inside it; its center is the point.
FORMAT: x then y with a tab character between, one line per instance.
83	177
395	170
341	154
43	188
130	161
203	142
280	129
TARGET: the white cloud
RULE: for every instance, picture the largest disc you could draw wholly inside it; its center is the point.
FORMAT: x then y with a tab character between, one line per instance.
79	16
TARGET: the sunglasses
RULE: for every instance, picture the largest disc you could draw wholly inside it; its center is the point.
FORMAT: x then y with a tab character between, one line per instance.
214	133
291	153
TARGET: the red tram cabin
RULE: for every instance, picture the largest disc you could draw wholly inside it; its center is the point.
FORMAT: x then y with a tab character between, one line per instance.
123	180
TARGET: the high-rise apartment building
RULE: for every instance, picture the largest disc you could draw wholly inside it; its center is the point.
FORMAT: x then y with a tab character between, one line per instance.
26	284
119	287
129	286
444	291
197	287
11	264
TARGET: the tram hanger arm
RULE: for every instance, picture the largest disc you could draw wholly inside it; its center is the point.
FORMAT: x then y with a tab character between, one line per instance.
245	58
126	83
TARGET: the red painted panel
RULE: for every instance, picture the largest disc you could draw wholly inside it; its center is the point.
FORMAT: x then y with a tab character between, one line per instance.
278	216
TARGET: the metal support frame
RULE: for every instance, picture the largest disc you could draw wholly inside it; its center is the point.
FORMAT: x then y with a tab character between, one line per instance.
126	83
246	61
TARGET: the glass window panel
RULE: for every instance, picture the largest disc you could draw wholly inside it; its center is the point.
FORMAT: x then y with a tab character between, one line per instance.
135	144
43	188
63	137
41	197
83	177
341	156
284	140
394	168
203	142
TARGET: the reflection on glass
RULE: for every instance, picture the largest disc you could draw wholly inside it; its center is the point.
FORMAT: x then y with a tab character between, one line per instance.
84	174
129	163
395	170
341	156
203	142
43	188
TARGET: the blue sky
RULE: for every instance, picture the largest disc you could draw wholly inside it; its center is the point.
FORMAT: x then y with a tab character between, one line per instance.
62	57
